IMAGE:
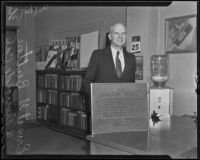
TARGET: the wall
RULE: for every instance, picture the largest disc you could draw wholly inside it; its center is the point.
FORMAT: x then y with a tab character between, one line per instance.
59	22
142	21
183	66
149	24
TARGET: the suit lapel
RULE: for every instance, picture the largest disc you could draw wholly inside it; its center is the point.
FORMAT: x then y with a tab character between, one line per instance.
109	53
125	60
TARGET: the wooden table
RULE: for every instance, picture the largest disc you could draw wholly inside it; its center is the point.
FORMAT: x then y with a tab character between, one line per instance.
172	136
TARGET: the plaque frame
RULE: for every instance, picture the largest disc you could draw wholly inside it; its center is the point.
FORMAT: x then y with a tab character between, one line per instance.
107	96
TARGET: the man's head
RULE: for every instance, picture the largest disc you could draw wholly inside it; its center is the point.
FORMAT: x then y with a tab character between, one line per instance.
117	35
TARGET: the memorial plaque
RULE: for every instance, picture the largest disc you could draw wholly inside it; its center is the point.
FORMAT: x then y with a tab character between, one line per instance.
119	107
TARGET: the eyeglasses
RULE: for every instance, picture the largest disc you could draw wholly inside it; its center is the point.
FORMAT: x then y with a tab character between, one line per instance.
118	34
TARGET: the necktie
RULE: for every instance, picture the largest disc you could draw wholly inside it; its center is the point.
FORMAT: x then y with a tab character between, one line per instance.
118	65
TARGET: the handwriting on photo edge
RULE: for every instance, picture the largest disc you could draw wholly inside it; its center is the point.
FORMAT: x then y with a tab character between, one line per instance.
15	13
22	58
9	57
23	113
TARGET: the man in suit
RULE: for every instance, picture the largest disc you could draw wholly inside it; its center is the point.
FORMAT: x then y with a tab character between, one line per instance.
112	64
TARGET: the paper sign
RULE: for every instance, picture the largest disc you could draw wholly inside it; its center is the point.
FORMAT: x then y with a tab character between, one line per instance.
89	42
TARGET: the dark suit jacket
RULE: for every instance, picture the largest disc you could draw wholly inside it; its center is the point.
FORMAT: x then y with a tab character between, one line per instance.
101	68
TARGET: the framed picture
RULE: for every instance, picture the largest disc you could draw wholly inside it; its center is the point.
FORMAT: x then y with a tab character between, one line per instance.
139	68
181	34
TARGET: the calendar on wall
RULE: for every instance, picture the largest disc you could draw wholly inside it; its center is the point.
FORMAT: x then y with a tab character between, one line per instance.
135	44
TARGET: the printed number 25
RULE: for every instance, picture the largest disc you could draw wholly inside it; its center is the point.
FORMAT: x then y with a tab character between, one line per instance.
135	47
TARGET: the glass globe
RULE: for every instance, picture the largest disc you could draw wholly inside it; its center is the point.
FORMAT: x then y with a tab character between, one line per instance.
159	70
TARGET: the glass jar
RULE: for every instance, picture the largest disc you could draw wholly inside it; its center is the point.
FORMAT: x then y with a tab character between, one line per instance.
159	70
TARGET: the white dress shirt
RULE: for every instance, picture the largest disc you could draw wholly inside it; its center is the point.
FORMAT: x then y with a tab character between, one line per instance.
121	57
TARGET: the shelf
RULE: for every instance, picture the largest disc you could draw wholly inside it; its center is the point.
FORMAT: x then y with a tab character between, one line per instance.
77	132
61	71
53	89
44	104
69	91
41	104
55	113
74	109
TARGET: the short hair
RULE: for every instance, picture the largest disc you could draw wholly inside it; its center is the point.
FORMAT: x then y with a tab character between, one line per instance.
115	24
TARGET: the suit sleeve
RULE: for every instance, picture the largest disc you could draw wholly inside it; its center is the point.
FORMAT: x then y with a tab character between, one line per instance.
91	73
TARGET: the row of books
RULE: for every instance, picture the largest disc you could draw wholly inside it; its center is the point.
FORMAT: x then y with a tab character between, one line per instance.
42	112
68	117
47	96
73	119
72	100
47	81
69	100
71	83
46	112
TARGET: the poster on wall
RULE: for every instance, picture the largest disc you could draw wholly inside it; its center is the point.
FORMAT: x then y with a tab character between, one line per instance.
53	59
139	68
64	53
181	34
71	52
89	43
135	44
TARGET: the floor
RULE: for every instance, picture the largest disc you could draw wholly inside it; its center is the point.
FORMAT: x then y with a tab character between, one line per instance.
35	140
38	140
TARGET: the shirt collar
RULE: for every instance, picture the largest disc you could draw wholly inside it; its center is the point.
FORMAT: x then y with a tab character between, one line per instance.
114	51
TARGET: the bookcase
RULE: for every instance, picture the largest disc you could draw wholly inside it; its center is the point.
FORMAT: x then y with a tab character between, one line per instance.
60	103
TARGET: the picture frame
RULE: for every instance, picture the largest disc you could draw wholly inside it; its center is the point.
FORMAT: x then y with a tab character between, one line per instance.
139	68
181	34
